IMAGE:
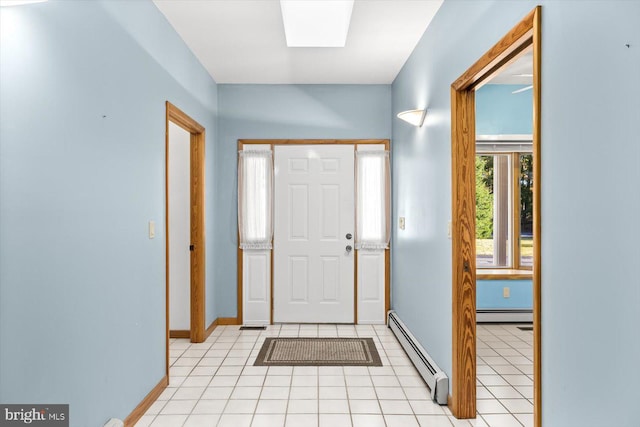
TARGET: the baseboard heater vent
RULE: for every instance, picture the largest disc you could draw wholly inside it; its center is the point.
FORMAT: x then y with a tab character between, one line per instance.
434	376
253	328
508	315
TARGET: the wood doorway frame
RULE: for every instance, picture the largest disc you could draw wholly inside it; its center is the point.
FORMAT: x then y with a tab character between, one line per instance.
387	254
197	201
524	35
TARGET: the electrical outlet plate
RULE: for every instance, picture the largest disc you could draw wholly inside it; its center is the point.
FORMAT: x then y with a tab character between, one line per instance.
401	223
506	292
152	229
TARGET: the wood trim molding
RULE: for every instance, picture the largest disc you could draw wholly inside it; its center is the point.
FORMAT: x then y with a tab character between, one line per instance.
522	36
180	334
198	266
240	259
166	234
220	321
146	403
515	41
503	275
537	217
211	328
387	282
180	118
387	253
463	197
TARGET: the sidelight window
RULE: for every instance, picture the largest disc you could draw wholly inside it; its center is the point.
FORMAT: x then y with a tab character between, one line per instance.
372	200
255	195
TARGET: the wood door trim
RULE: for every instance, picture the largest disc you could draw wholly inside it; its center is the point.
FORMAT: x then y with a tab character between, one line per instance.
197	201
273	143
522	36
537	219
180	333
463	376
515	41
198	266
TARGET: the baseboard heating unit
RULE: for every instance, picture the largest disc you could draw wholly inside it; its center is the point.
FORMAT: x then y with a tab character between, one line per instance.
511	315
434	376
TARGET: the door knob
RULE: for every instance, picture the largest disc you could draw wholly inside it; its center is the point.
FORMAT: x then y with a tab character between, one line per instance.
348	248
348	236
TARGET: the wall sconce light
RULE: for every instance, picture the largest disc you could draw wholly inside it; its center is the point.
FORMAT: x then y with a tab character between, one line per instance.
413	117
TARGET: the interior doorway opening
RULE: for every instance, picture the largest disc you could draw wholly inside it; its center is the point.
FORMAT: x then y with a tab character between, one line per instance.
196	222
525	35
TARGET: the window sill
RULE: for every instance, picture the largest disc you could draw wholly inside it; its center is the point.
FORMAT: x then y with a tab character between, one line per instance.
503	274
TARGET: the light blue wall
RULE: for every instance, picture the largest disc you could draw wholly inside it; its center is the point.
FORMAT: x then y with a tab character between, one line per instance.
590	127
500	112
284	111
82	117
489	294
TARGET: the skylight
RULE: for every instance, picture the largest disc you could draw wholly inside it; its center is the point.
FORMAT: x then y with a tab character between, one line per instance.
316	23
19	2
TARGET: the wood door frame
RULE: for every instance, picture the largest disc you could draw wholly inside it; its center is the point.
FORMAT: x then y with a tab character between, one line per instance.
387	257
524	35
197	226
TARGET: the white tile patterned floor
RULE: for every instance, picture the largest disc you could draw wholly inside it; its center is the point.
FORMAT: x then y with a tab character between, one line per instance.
504	375
215	384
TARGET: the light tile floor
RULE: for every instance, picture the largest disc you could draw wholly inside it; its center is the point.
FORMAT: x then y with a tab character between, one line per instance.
215	384
505	375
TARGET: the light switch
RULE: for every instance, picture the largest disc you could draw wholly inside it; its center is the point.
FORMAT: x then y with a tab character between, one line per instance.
401	223
152	229
449	226
506	292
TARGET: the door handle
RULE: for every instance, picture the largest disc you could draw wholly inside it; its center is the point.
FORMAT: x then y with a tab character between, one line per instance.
348	248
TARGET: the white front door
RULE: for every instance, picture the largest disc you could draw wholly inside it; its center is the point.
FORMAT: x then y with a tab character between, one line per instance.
313	276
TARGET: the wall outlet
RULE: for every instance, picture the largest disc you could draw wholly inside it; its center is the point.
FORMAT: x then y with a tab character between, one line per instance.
506	292
449	227
401	223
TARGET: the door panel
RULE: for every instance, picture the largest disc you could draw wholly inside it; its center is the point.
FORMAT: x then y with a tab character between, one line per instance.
314	211
179	189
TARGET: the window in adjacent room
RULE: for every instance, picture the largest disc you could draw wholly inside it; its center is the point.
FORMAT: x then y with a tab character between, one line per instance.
504	215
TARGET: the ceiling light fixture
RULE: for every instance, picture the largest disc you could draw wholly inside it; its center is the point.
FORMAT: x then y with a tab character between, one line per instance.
316	23
413	117
524	89
19	2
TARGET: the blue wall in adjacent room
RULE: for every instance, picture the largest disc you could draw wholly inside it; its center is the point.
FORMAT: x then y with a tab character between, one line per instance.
82	152
289	112
581	111
501	112
489	294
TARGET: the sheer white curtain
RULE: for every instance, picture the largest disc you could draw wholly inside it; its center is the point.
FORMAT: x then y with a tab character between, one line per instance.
373	186
255	199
